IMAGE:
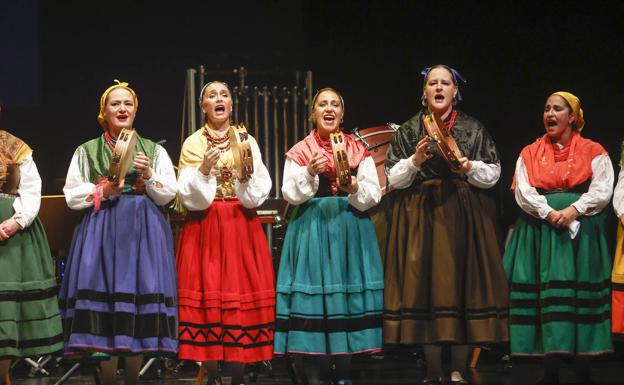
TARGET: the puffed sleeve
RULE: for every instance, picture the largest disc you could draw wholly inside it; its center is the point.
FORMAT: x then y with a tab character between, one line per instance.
298	185
403	173
527	197
369	192
78	190
482	174
196	190
600	189
162	186
28	201
618	195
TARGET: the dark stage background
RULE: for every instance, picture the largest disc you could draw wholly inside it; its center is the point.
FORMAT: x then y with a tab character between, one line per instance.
56	58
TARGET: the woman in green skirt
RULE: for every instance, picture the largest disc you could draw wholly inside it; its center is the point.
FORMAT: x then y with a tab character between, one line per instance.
330	279
557	260
30	324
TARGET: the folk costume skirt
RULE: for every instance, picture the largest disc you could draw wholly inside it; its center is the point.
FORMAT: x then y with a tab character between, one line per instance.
617	279
226	286
330	282
118	293
560	287
443	269
30	323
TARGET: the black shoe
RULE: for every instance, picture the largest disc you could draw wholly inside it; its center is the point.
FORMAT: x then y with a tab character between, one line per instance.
431	380
344	382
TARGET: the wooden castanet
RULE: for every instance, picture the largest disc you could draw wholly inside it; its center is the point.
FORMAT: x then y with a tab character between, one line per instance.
123	154
241	151
376	139
339	150
443	141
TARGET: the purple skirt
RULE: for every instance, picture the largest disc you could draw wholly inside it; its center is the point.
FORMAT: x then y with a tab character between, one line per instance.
119	289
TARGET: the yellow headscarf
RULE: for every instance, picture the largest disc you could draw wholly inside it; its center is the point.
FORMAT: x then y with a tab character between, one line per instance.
575	103
100	117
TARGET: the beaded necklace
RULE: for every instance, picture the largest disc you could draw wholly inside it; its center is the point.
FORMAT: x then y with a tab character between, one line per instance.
220	142
110	141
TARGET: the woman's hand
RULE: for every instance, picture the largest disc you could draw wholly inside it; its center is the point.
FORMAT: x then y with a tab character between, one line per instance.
562	218
142	165
211	157
8	228
351	188
422	152
111	188
317	165
568	215
466	165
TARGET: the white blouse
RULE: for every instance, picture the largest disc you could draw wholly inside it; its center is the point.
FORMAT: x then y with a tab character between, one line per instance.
481	174
299	185
618	195
590	203
161	187
28	201
197	191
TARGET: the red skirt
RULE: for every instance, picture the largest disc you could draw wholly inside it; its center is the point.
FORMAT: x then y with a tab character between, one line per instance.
226	286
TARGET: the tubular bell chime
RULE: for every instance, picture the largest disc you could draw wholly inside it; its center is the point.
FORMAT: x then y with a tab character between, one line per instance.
274	106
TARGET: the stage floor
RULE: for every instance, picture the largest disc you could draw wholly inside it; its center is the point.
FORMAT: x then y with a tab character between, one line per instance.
390	369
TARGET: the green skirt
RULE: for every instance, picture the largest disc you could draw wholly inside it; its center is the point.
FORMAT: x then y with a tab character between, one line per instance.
560	288
30	323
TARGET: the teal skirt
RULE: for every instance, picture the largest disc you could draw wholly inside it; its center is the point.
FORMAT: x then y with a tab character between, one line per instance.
330	282
30	323
560	288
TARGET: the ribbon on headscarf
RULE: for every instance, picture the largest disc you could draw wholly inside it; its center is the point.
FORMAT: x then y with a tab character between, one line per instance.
575	104
454	73
100	117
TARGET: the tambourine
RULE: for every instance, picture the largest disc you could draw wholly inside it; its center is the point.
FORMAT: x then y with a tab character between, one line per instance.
241	151
442	141
123	154
339	150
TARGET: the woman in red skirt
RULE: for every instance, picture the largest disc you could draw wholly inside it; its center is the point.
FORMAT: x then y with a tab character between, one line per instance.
226	280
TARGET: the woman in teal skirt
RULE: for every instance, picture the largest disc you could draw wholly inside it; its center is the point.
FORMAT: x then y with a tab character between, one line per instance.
330	279
30	324
557	260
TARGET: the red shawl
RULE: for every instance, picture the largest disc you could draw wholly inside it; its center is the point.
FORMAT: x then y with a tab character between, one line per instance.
551	168
303	151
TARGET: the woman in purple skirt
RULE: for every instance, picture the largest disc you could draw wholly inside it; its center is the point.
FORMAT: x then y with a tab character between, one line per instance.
118	293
